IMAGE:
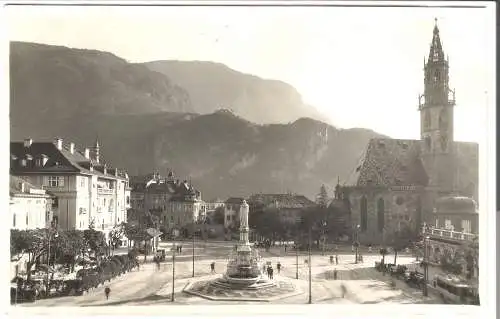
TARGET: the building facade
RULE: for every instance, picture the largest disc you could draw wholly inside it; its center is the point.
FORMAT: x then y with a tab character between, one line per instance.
232	212
30	206
176	204
398	182
289	207
89	192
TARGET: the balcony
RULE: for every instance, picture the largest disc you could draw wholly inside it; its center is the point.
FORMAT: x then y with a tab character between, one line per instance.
439	233
105	191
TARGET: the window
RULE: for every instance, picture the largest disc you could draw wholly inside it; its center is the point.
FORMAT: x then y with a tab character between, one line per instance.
364	214
466	227
82	181
380	214
56	181
448	225
400	200
428	143
128	200
427	119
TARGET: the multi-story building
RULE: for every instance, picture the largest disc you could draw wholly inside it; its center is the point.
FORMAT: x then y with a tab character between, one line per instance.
289	207
232	211
176	204
30	206
89	191
399	182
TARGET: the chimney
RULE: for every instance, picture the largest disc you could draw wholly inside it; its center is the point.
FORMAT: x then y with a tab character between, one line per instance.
87	153
72	148
59	143
27	142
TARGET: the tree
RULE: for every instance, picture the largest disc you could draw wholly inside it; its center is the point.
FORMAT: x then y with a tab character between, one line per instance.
401	239
33	242
383	252
71	243
322	199
451	263
218	217
95	240
116	235
472	257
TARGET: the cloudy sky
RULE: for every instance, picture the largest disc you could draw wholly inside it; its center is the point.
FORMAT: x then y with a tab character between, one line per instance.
362	67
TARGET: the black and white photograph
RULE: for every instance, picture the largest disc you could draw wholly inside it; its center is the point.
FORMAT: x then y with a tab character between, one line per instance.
246	153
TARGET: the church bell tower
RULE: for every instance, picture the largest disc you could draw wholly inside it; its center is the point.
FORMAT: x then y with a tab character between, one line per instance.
436	118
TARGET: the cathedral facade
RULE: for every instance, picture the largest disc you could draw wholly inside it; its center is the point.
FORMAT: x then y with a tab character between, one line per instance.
397	182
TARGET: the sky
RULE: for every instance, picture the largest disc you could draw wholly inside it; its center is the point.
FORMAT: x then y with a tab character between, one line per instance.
361	67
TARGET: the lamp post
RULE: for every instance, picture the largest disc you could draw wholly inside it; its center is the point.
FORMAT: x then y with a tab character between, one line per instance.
426	266
324	237
49	238
309	263
174	247
297	260
194	235
356	243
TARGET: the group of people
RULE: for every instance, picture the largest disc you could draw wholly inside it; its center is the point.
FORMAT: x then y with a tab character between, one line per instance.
270	270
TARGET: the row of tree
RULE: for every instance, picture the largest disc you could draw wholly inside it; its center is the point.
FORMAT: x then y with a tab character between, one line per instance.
70	247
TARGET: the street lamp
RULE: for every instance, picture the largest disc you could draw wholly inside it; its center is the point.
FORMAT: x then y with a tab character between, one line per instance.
309	263
174	248
194	234
49	238
426	266
324	237
356	243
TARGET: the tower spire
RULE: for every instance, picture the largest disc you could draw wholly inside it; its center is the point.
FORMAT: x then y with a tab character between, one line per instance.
97	149
436	53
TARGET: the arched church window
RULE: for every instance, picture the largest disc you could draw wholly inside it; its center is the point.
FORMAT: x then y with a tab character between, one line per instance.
380	214
364	213
427	119
444	141
428	143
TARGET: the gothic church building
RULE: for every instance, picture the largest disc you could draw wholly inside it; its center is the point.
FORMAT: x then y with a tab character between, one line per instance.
397	182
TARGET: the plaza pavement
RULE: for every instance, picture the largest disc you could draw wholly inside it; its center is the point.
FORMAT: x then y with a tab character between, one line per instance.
150	286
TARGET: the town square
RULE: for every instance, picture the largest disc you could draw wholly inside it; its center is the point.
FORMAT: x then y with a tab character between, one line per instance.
161	176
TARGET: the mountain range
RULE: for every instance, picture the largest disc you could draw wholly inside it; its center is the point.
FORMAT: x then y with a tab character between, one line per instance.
231	133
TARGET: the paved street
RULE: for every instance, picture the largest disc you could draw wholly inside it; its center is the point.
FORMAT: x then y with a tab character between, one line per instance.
151	286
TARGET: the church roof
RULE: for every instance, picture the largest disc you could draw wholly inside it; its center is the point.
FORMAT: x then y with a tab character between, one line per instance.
390	162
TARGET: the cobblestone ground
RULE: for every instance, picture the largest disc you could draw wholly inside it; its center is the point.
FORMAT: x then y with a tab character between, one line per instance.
149	286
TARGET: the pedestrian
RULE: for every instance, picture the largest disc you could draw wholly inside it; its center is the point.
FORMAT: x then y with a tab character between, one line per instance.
370	248
264	268
107	291
278	266
337	259
331	259
271	270
212	267
343	289
335	274
285	250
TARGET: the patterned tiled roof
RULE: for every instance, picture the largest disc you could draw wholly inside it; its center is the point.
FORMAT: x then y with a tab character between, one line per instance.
389	162
58	161
393	162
